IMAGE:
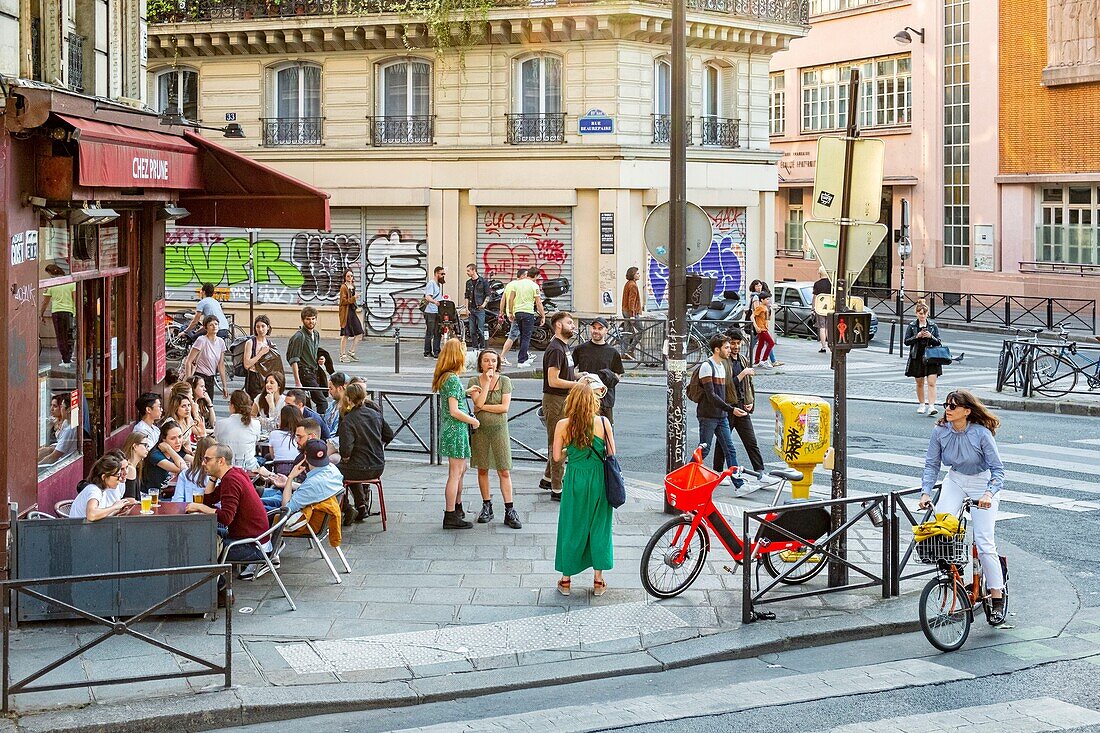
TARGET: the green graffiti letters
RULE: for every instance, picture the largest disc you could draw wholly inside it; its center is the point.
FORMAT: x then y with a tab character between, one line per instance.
226	263
268	262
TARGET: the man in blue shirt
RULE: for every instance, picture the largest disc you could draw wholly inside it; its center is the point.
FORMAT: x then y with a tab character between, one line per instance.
323	481
208	306
298	398
433	293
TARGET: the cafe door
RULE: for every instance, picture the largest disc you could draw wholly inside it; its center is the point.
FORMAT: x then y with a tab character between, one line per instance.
92	355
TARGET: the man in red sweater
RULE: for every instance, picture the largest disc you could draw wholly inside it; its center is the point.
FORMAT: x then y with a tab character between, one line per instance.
241	514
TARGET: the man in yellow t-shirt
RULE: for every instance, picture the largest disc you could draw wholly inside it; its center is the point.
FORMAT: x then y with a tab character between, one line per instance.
525	300
61	300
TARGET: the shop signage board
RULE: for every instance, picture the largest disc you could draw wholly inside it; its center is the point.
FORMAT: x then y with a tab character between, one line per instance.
607	233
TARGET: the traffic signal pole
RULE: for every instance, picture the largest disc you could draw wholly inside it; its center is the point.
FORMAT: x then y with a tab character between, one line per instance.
838	572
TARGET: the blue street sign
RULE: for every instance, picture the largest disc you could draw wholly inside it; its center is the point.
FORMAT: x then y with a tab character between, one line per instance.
596	122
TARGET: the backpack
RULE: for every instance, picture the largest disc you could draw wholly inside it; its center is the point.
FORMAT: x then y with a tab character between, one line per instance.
695	385
236	352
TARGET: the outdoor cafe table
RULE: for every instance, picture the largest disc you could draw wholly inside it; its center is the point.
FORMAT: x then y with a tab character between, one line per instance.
168	538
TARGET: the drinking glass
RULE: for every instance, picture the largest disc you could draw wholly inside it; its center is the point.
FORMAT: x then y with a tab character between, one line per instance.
146	503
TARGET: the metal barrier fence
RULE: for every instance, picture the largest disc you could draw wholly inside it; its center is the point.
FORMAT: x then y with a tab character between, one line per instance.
1051	370
640	341
901	562
1003	311
10	588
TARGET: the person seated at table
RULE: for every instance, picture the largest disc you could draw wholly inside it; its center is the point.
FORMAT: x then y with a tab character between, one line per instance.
240	513
323	481
299	399
269	403
193	480
136	449
101	495
240	431
164	461
149	412
180	410
285	450
171	377
64	435
363	437
202	405
336	385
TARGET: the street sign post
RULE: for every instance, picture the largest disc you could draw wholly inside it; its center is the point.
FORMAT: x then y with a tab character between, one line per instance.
697	239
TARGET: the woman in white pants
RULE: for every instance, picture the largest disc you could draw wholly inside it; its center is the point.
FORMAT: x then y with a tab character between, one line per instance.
963	441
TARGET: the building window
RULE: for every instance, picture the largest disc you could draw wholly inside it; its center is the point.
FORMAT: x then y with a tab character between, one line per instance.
178	91
538	117
404	104
662	88
817	7
718	96
777	104
296	106
956	133
886	96
792	245
1069	228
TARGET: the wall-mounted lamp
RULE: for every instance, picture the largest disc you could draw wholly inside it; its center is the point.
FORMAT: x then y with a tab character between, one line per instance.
172	213
174	117
42	207
903	35
92	215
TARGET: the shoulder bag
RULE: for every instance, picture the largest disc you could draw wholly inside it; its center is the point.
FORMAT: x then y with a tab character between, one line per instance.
614	486
940	355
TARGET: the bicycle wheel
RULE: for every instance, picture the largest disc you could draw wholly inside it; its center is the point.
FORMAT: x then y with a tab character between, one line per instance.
697	349
945	613
786	559
664	573
1053	376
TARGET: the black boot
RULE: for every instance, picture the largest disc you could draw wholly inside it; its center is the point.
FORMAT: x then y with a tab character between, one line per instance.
486	512
360	492
452	520
511	519
461	512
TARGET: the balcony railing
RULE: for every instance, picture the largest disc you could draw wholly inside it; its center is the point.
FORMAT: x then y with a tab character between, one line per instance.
662	129
76	62
414	130
532	129
721	132
36	49
1067	244
292	131
790	12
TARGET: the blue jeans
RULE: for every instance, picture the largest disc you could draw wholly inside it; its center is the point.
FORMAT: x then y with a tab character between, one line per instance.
476	324
711	427
526	323
431	335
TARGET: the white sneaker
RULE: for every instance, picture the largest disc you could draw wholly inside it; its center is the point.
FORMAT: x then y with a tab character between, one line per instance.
921	408
505	362
932	411
763	365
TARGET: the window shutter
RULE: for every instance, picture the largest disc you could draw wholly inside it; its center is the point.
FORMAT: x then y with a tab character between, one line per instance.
727	91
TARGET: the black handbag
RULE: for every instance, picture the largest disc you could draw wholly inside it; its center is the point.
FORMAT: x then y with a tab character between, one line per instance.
614	487
940	355
470	410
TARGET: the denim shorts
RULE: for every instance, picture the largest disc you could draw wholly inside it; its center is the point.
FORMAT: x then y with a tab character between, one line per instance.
513	331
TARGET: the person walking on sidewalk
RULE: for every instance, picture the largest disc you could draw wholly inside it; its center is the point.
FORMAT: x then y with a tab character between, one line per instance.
506	313
632	308
557	379
963	440
585	518
255	350
765	342
713	410
350	325
490	445
741	394
597	357
433	293
301	352
477	292
757	288
823	286
207	357
454	432
61	300
919	335
526	301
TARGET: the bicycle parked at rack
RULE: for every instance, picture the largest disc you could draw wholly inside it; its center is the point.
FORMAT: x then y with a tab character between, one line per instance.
947	602
677	552
1056	371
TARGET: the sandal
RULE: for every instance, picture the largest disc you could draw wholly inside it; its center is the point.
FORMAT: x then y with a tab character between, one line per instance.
599	587
564	587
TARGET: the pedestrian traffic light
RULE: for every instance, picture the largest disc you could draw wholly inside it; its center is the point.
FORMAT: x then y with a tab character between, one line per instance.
850	330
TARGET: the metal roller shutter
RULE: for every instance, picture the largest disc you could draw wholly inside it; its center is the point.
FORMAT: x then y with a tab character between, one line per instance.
395	268
724	261
511	238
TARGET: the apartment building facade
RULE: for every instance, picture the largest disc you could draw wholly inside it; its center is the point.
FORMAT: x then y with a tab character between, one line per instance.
542	143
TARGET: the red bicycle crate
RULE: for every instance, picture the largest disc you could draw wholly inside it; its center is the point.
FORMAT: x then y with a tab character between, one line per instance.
690	486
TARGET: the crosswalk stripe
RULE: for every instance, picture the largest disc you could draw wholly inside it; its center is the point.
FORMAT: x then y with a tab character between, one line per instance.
1088	441
1010	456
718	700
1034	715
1058	450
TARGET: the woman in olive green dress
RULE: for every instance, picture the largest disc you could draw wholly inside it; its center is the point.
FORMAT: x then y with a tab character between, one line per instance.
584	518
454	435
490	446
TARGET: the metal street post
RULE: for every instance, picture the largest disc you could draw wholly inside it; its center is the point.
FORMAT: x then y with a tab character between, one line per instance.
252	277
905	248
676	292
838	572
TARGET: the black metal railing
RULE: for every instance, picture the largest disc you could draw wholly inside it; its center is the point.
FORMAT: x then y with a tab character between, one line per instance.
528	129
721	132
36	49
292	130
208	574
1004	311
76	62
900	562
529	406
662	129
406	405
413	130
639	341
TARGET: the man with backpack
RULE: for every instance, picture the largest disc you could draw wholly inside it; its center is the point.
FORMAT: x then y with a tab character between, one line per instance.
740	394
707	388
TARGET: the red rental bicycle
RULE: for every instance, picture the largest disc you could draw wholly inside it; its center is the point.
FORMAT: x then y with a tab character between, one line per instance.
677	552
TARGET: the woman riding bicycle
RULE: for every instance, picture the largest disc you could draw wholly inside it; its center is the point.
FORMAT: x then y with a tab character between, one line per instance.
963	440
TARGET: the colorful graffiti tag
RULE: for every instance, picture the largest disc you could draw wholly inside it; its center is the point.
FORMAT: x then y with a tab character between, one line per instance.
509	240
724	260
396	274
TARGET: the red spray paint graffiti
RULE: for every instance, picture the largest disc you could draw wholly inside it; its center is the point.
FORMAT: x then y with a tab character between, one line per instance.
520	239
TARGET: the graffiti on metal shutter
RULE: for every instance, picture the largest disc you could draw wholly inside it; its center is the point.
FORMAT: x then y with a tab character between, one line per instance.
396	274
724	260
510	239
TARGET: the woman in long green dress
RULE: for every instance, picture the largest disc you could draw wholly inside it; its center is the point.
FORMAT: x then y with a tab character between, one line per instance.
454	435
584	518
490	446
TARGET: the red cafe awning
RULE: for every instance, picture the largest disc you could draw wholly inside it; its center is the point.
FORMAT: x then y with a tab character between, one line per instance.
116	156
241	192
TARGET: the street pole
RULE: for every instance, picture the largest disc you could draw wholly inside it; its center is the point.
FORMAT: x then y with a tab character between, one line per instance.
838	572
251	278
676	432
905	248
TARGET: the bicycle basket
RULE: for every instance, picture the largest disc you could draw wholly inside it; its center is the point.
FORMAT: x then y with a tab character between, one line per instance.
952	549
690	486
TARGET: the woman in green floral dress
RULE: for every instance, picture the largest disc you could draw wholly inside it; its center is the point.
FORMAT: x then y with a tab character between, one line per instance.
454	435
584	518
490	445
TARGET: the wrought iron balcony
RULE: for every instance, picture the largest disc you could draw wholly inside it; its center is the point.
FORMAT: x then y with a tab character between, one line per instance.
414	130
280	131
721	132
662	129
76	62
532	129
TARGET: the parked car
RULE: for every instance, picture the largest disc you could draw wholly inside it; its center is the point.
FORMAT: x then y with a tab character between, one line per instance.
794	315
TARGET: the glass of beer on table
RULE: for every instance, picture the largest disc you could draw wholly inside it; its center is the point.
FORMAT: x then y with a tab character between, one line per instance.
154	498
146	503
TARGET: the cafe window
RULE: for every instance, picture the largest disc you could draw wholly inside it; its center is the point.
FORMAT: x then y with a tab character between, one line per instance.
117	353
